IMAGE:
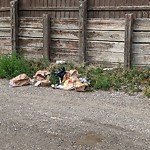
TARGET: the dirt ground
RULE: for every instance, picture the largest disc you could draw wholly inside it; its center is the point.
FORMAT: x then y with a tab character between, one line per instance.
34	118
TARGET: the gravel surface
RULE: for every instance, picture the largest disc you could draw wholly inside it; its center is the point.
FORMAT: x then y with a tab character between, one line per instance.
34	118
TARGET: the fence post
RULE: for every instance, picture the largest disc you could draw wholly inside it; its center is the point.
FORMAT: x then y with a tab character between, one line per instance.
82	30
14	25
128	41
46	37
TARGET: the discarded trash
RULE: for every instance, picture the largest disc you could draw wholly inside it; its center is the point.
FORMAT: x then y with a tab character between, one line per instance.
60	73
69	80
60	62
105	69
85	80
62	79
42	78
72	81
56	86
20	80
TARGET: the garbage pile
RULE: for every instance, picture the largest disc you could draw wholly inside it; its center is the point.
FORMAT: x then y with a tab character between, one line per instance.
66	80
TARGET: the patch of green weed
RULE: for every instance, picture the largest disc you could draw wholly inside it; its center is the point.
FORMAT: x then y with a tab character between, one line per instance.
13	65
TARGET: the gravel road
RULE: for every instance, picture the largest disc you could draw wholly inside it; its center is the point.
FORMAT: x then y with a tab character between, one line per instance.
34	118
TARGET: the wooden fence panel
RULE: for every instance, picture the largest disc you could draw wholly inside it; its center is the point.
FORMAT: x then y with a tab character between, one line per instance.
5	41
106	24
105	40
36	23
4	8
4	22
113	36
31	37
95	46
141	60
70	8
118	8
67	24
142	25
64	40
141	42
56	8
5	47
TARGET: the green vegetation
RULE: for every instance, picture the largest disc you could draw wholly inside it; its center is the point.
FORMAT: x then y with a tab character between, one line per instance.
147	92
13	65
130	81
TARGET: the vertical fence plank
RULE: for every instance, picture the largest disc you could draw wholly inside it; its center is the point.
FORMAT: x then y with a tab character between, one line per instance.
14	25
82	30
128	41
46	37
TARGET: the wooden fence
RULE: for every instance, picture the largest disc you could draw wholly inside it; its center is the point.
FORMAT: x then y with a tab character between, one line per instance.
102	41
105	40
70	8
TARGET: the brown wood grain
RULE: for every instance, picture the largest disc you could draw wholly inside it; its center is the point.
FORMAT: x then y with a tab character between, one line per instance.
142	25
105	46
69	24
96	8
36	23
65	34
5	32
106	56
128	41
5	47
65	44
106	35
46	36
30	32
141	60
141	37
106	24
31	42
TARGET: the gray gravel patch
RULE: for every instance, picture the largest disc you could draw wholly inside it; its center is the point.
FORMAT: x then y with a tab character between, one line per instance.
34	118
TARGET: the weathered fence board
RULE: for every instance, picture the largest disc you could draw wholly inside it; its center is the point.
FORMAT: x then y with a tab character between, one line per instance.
5	32
105	36
69	24
68	57
65	52
33	56
65	44
46	36
141	60
70	8
105	40
142	25
5	22
32	50
64	39
65	34
106	57
30	32
5	45
5	41
31	37
96	46
141	49
36	23
141	37
5	50
106	24
31	42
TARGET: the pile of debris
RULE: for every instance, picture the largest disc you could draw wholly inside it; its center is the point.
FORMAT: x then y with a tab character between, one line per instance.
67	80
